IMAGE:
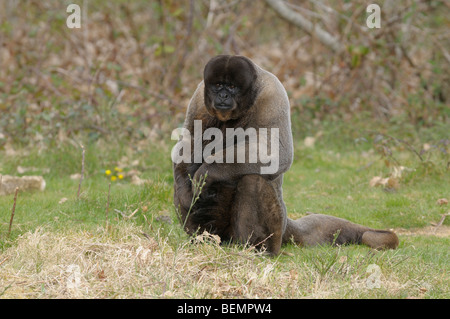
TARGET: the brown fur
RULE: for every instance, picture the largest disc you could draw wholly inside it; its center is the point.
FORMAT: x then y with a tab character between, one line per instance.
237	203
318	229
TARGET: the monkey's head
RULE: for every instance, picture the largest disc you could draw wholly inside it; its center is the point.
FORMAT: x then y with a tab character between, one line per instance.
230	86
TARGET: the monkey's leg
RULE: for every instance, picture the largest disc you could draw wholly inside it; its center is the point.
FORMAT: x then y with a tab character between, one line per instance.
257	216
318	229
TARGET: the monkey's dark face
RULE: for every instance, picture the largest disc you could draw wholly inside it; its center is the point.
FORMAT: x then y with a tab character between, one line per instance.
229	86
224	95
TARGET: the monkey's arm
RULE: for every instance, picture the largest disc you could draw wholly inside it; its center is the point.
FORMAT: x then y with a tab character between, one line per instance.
181	171
182	186
272	151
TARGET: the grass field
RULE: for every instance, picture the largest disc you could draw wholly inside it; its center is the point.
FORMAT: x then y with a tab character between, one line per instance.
132	245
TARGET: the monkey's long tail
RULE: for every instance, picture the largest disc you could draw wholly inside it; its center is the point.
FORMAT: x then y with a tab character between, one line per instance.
318	229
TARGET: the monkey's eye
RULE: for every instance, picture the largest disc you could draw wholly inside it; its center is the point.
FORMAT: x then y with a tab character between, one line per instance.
218	85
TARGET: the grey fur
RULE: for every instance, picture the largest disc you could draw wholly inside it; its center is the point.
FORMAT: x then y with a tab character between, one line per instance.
237	202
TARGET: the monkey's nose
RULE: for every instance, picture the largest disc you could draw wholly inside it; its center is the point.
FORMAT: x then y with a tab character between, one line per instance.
223	95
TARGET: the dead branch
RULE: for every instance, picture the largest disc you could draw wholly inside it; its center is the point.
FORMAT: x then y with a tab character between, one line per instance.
5	259
300	21
13	211
442	220
82	172
107	206
147	92
400	141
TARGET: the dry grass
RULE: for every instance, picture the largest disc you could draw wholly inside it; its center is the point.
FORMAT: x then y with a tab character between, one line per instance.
125	262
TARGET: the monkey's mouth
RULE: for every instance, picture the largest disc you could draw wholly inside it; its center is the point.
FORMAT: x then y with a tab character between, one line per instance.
223	107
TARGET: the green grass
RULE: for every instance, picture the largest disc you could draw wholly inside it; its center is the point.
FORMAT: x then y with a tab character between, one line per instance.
322	180
334	183
43	208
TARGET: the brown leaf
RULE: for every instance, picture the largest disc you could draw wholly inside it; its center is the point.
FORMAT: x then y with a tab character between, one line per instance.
392	183
378	181
75	176
101	275
309	141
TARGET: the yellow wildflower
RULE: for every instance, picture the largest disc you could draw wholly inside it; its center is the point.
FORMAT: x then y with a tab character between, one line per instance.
108	172
120	176
113	178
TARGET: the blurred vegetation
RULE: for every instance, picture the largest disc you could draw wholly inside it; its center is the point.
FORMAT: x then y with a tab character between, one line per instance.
376	111
129	71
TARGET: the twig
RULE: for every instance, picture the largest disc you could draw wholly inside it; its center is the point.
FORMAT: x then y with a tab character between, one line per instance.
148	92
184	48
1	262
82	172
263	241
132	214
198	187
146	236
444	51
107	205
13	211
124	215
408	146
121	213
297	19
441	221
150	224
